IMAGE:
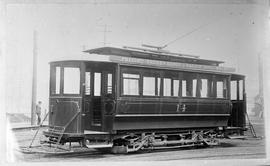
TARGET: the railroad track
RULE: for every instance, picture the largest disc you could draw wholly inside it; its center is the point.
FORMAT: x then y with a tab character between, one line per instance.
156	155
237	149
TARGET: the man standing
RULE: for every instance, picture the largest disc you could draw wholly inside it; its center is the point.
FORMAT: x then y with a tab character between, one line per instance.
38	111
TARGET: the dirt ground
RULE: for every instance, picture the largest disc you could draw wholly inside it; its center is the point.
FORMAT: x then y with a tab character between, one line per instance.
250	148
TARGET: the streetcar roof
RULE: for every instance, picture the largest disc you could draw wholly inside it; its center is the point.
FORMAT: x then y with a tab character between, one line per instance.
152	54
148	59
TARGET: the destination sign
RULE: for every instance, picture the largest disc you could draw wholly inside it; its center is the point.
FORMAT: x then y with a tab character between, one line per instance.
170	65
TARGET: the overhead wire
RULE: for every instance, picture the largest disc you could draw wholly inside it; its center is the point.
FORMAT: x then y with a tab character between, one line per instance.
190	32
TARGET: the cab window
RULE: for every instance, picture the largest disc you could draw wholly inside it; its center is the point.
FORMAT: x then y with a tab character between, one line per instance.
71	80
55	80
65	80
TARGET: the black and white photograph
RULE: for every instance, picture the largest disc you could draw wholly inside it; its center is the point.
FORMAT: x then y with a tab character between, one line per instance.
175	82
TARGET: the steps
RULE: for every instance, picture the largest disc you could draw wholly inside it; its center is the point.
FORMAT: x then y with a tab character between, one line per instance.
250	127
54	134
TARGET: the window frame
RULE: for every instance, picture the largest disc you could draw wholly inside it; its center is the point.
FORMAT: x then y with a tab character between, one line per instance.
90	85
211	91
227	85
155	85
182	77
173	75
63	81
63	65
171	88
53	78
98	83
158	86
107	87
122	82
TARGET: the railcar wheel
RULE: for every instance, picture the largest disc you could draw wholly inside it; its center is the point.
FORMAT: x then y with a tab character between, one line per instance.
119	146
127	144
210	138
119	150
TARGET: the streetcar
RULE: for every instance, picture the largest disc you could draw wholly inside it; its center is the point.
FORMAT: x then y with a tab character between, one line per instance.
143	98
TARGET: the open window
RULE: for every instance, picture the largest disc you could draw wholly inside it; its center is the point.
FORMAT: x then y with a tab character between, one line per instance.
222	87
205	86
189	84
171	84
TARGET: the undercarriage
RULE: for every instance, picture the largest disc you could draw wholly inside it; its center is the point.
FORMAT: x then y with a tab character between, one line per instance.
135	142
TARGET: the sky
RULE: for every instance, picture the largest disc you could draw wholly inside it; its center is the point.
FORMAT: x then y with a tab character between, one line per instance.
230	32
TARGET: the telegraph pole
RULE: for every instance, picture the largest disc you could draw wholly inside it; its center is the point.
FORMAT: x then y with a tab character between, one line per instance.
105	31
260	65
260	60
34	79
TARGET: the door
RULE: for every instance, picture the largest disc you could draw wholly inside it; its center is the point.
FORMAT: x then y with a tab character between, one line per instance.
238	99
87	99
93	100
98	88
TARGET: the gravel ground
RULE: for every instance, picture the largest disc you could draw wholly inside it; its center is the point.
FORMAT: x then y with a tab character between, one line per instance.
250	148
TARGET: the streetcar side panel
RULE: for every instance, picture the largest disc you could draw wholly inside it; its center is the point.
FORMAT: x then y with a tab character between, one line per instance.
165	104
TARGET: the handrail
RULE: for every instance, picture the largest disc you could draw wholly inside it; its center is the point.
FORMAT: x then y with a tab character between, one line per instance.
38	129
72	119
73	116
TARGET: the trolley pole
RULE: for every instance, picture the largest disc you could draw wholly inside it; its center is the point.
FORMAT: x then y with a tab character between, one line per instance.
260	60
34	79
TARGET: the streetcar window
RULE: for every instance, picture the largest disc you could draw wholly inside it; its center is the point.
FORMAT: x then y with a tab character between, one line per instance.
211	87
194	85
71	80
55	80
131	84
149	87
203	88
175	87
189	84
233	90
225	87
87	83
109	83
131	76
241	90
97	84
220	89
167	87
158	86
184	88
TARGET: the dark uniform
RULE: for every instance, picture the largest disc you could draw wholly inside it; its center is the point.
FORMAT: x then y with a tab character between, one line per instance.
38	112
